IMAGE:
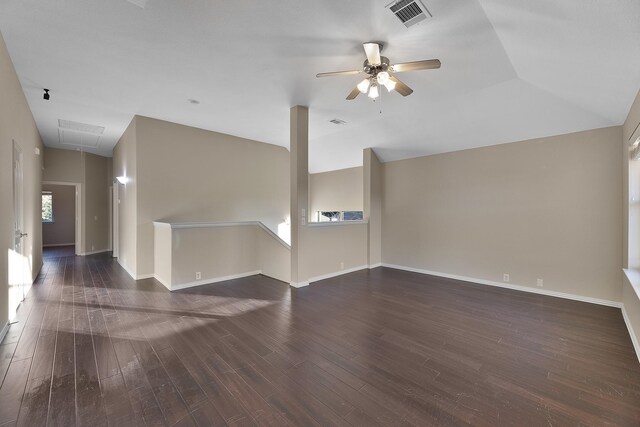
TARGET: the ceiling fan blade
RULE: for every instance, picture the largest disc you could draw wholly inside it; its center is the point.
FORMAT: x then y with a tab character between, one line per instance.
428	64
338	73
401	88
354	93
373	53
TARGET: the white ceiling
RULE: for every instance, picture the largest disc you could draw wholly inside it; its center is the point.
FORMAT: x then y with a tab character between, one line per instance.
512	69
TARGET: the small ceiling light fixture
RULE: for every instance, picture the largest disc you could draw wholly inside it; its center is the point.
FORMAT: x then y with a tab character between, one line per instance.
382	77
46	95
373	92
363	86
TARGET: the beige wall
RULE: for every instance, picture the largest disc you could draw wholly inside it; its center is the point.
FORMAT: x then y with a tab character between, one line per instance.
96	202
331	248
124	165
217	251
298	189
549	208
17	124
339	190
63	228
62	166
92	173
183	174
274	256
163	253
372	171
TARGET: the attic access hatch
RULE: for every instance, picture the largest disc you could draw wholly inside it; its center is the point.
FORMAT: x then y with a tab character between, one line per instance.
410	12
79	134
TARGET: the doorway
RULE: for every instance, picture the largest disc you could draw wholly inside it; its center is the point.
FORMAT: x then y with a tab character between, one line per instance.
56	229
19	267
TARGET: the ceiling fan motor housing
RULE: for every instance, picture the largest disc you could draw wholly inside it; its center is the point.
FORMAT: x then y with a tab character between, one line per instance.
373	70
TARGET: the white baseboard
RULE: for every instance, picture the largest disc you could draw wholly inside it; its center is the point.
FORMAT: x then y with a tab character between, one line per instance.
379	264
337	273
144	276
298	284
93	252
508	286
330	275
53	245
632	334
125	268
4	331
163	281
212	280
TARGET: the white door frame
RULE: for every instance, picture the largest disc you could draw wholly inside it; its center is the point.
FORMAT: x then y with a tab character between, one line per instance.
17	268
79	250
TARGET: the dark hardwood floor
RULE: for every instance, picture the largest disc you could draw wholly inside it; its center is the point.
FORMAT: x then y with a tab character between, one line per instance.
380	347
58	251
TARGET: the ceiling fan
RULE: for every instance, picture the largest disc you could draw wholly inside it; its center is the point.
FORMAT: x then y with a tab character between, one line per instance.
379	73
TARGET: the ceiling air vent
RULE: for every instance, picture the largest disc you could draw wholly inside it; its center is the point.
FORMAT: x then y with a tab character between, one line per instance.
80	127
410	12
337	121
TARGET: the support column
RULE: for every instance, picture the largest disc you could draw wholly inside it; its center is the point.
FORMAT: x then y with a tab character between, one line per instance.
372	173
299	176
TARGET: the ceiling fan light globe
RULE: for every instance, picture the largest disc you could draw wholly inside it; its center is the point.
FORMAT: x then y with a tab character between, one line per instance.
390	85
363	86
382	77
373	92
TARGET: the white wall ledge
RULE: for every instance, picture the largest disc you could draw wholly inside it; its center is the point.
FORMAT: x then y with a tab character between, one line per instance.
183	225
634	278
332	223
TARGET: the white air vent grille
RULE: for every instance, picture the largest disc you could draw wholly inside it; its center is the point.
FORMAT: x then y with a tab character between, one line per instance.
337	121
80	127
410	12
78	139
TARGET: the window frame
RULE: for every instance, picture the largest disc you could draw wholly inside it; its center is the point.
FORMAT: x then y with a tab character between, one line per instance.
42	196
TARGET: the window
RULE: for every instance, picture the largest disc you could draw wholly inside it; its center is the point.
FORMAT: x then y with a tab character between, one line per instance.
47	206
325	216
352	216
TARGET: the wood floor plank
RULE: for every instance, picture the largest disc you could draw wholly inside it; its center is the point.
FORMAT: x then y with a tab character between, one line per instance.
62	408
13	389
376	347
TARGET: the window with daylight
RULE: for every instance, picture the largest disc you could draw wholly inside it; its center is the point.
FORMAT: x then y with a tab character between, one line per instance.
47	206
328	216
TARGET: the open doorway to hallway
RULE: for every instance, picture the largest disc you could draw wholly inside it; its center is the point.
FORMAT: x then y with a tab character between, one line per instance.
61	216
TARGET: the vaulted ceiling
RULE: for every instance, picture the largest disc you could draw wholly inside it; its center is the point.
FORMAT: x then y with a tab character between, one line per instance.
511	69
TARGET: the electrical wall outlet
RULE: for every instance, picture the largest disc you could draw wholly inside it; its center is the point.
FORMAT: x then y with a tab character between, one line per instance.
93	248
505	277
342	266
540	283
198	275
95	218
